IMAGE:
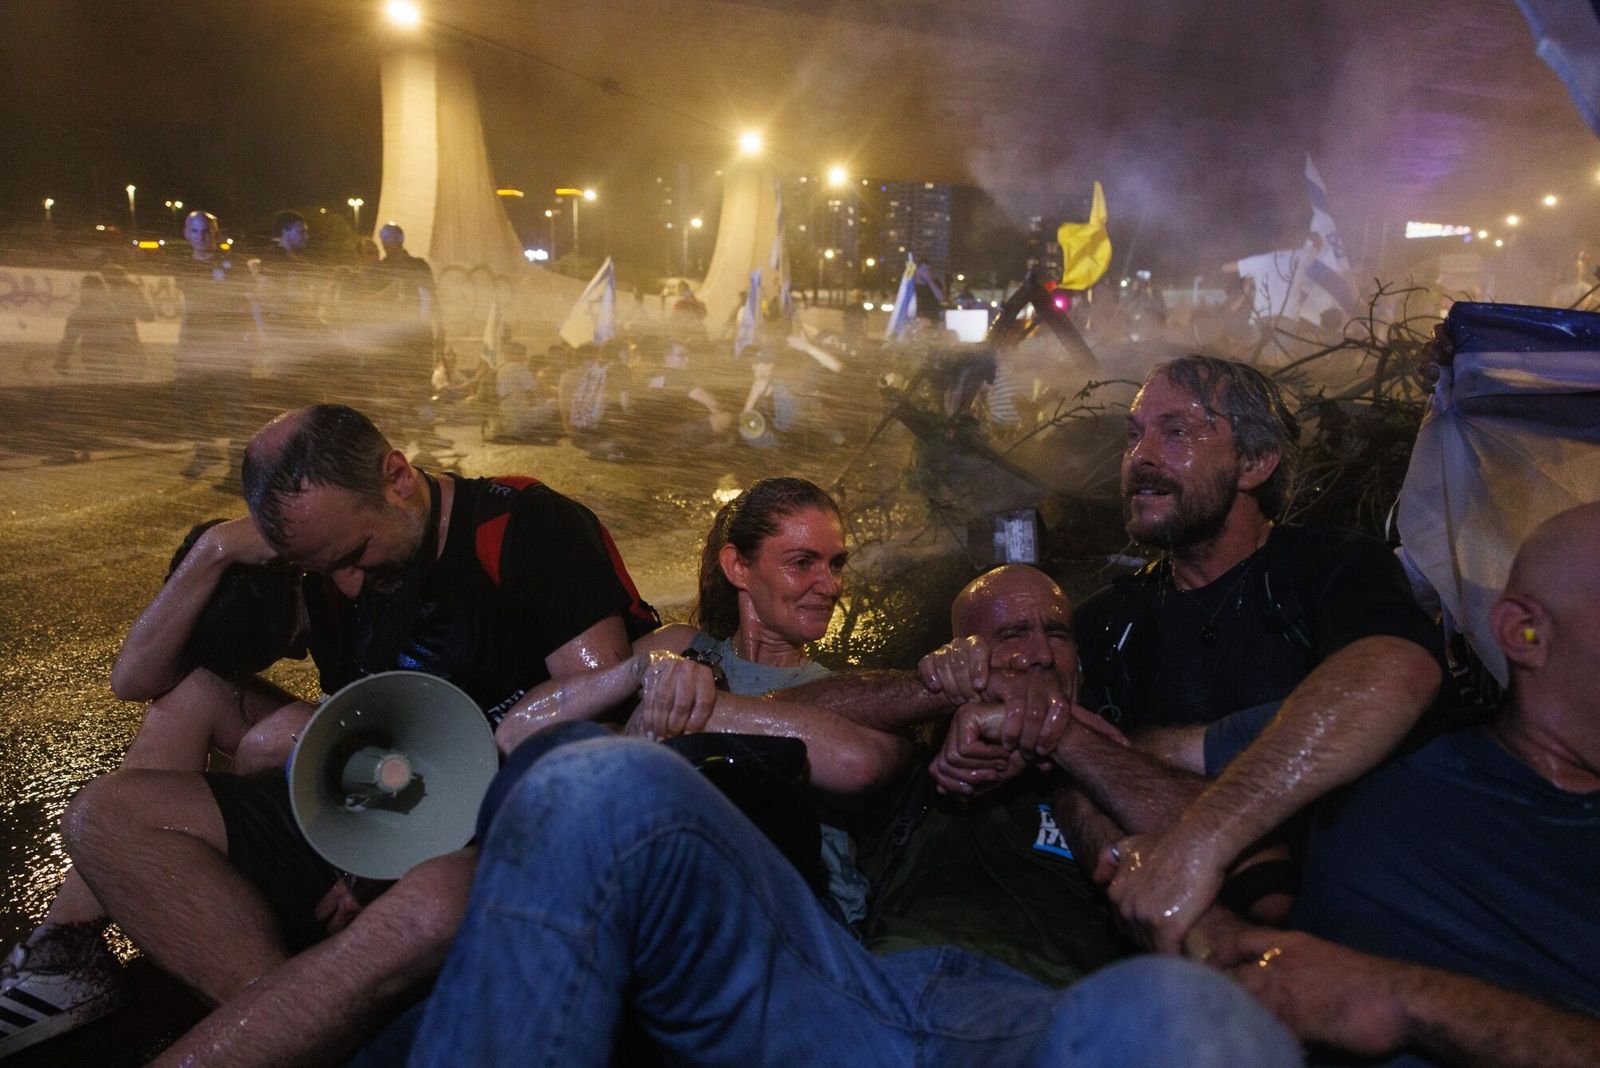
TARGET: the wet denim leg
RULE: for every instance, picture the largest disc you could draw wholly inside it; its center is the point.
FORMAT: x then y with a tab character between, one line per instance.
1159	1011
615	877
617	880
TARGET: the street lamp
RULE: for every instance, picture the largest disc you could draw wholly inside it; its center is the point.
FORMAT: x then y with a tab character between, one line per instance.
549	213
49	202
750	143
174	206
133	214
355	206
837	176
694	224
404	13
1512	220
576	195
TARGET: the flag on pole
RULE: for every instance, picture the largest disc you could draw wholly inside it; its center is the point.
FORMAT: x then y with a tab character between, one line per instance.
905	301
491	335
594	317
1276	276
1085	246
780	261
1326	270
1568	32
749	315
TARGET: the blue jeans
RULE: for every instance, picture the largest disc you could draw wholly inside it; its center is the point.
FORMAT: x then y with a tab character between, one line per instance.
615	881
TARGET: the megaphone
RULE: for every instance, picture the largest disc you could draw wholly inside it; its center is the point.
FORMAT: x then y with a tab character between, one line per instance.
752	425
390	772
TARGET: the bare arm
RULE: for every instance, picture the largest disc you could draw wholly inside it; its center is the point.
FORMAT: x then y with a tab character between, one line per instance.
589	675
1374	1006
150	661
320	1006
1137	791
1348	714
891	701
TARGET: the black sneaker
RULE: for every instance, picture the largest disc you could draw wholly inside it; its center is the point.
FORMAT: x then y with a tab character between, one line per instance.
61	978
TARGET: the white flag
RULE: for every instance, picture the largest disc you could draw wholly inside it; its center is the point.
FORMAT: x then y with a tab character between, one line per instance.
594	317
905	301
491	335
749	315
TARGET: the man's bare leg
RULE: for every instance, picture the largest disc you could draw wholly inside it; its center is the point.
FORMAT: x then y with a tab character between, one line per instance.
152	847
322	1005
180	728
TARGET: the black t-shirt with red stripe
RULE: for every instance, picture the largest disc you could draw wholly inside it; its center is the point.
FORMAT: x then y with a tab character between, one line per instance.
524	571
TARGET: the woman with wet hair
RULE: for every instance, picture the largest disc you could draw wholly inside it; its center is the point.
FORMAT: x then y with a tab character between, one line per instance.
769	579
770	574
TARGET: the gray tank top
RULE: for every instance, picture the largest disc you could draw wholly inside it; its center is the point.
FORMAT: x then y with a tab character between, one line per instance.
846	884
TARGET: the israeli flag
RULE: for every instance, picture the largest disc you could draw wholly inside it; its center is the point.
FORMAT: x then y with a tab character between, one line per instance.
1510	438
594	317
749	315
1326	282
905	301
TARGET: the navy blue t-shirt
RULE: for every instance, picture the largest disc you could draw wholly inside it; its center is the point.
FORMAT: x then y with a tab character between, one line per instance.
1460	857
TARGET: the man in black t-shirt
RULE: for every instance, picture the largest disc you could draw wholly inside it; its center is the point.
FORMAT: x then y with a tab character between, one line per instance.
500	585
1235	614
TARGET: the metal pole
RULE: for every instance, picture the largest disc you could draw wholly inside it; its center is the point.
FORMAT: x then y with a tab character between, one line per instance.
574	226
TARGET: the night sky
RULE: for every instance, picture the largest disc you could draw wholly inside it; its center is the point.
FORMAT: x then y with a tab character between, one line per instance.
1196	117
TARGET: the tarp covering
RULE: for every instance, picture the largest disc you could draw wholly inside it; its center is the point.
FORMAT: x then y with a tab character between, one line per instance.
1511	438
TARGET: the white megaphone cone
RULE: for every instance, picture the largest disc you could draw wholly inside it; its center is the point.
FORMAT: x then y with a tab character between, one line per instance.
390	772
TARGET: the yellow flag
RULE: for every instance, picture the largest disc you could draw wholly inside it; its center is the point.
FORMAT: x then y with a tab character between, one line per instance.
1085	247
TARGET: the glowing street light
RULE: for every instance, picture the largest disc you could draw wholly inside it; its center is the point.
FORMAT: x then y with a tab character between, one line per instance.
827	253
174	206
837	176
1513	220
404	14
871	261
133	212
1482	234
750	143
576	195
49	202
355	206
694	224
1498	243
1551	200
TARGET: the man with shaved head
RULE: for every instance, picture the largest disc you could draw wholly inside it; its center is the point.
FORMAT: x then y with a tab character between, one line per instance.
993	874
1449	899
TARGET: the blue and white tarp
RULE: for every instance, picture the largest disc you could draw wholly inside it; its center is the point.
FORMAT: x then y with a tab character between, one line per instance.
1511	438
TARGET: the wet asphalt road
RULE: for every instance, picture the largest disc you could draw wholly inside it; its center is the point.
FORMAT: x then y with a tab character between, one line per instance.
92	503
